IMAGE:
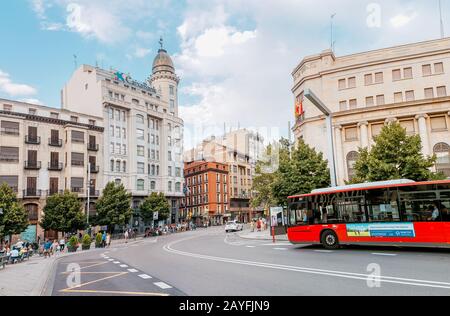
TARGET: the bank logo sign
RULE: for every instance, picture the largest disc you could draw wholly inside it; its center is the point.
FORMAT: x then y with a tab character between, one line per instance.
120	76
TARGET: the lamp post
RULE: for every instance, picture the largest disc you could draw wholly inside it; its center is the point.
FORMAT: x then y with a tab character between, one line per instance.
88	193
329	124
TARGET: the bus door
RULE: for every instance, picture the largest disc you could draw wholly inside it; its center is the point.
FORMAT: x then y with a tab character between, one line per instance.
445	213
351	210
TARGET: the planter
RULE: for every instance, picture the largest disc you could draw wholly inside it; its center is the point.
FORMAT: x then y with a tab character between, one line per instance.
85	247
72	249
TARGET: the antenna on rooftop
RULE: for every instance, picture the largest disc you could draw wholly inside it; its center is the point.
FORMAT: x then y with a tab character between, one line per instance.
441	20
332	41
75	61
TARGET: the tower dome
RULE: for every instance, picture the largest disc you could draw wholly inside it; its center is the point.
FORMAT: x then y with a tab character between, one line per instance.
163	62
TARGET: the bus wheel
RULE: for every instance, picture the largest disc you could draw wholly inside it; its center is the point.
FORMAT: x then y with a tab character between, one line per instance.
330	240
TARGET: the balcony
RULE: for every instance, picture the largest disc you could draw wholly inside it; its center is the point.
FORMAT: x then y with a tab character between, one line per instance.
77	190
94	193
32	140
53	192
92	147
32	193
32	165
55	142
55	166
95	169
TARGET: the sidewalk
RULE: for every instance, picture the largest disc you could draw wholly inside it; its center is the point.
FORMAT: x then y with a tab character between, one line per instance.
262	235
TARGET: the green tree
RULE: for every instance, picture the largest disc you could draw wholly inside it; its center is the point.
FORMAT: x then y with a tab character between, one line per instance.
395	155
114	206
155	203
14	219
263	180
63	213
300	171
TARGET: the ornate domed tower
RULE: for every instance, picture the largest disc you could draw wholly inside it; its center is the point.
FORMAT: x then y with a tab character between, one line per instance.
164	79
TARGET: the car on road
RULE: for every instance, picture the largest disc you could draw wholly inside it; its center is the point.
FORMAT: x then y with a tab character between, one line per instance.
233	226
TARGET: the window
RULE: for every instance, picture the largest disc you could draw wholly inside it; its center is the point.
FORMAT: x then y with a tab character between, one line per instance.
172	106
178	172
342	84
369	101
409	96
7	107
177	187
441	92
438	123
408	125
396	75
124	149
112	165
382	205
169	186
111	130
77	137
351	133
407	73
118	132
442	151
140	119
426	70
9	154
380	99
74	119
140	134
10	128
135	101
172	90
352	82
32	111
169	171
368	79
152	185
124	133
169	155
140	151
398	97
343	105
118	166
352	104
352	157
429	93
111	148
141	168
140	185
92	122
54	115
11	181
124	166
76	184
118	147
77	159
379	77
438	68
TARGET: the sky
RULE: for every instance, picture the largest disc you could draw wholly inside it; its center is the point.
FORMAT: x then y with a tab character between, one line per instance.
234	57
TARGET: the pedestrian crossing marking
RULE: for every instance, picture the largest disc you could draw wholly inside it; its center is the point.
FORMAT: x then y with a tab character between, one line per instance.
162	285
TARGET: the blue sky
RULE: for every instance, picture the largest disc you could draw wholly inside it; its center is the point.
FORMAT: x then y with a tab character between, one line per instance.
235	57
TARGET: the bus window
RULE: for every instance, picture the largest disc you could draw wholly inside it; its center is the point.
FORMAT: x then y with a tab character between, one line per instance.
298	214
382	206
445	210
420	206
351	210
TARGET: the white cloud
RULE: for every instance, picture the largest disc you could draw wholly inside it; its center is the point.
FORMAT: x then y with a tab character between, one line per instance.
32	101
12	88
402	20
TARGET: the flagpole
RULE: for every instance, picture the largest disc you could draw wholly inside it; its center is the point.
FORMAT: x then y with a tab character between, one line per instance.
441	20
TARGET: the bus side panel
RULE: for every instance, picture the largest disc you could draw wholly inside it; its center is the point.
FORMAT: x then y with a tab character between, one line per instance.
304	234
447	231
430	232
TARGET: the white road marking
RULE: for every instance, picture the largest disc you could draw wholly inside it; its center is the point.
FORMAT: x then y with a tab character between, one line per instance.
277	244
105	257
132	270
324	251
162	285
279	248
116	262
333	273
144	276
123	266
251	246
110	259
384	254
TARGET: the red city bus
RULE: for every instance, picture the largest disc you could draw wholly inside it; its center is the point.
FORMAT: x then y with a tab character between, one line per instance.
397	212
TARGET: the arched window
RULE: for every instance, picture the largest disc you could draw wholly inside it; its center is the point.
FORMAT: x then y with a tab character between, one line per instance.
124	166
442	151
33	212
140	119
152	185
178	187
112	165
352	157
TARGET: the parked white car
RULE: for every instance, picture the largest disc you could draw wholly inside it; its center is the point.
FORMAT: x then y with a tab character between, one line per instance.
233	226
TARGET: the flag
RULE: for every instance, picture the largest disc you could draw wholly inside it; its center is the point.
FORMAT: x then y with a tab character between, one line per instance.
299	109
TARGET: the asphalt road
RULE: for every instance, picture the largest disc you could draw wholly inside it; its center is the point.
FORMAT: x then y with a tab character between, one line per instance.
210	262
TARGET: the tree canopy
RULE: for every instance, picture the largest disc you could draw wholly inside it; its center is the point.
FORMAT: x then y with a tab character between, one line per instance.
395	155
63	213
155	203
114	206
14	219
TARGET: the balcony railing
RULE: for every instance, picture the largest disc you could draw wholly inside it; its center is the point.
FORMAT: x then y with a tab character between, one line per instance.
92	147
33	140
55	142
53	192
95	169
55	166
31	192
9	131
9	158
94	193
77	190
33	165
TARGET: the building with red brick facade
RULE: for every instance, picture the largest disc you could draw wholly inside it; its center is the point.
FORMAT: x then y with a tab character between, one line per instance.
206	193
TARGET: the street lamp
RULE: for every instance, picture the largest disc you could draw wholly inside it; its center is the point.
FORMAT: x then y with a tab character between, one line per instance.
329	124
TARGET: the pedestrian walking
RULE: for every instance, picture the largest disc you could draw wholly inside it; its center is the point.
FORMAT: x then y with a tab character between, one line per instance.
47	248
252	226
104	239
126	236
258	225
62	244
108	240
